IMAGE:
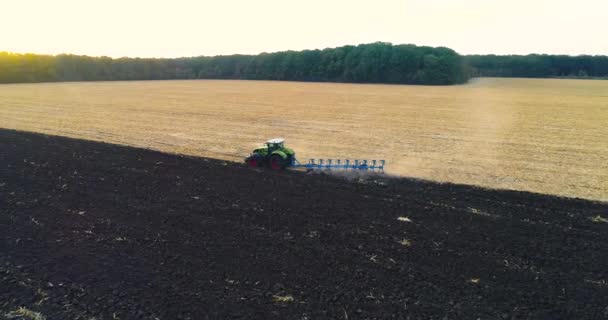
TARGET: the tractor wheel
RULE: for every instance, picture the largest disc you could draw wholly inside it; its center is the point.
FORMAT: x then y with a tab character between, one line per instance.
254	161
277	162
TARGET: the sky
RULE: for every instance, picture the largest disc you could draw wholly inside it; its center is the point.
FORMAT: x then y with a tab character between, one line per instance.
179	28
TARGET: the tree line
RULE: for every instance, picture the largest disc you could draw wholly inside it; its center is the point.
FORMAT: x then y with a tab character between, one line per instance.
367	63
19	68
537	66
378	62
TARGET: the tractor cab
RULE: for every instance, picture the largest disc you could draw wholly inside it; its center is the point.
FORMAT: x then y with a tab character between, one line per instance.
275	144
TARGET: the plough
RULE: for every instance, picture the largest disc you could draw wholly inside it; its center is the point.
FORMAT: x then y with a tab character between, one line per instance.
275	155
338	164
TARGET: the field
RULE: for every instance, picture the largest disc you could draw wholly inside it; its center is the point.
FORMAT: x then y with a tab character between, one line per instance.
97	231
546	136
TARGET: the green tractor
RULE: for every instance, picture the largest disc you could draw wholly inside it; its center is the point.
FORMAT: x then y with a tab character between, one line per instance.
273	154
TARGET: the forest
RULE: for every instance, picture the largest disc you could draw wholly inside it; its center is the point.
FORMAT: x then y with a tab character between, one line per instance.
378	62
537	66
367	63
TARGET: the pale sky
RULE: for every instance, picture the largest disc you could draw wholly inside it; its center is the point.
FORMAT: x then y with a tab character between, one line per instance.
176	28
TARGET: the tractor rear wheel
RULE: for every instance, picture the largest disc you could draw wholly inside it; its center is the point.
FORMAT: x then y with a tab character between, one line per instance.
277	162
254	160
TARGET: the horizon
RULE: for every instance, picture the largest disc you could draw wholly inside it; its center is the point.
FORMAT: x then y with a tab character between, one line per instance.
187	28
292	50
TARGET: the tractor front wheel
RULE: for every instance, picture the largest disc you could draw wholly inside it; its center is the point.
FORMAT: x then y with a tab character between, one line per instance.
277	162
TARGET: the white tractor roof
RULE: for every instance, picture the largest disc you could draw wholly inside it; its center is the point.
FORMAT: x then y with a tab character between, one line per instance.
276	140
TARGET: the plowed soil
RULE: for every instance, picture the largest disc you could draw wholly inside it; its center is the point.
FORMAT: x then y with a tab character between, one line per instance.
98	231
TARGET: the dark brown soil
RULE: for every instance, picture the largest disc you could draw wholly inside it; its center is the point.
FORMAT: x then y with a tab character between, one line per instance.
98	231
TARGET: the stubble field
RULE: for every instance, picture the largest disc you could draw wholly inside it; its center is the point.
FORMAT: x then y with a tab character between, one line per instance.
547	136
